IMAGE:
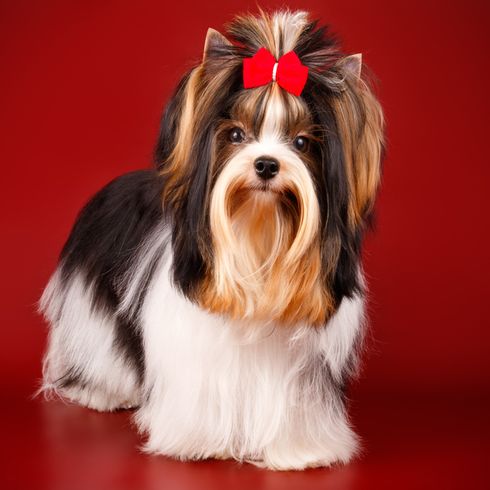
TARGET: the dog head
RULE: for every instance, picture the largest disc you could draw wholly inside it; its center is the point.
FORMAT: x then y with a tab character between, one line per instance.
268	192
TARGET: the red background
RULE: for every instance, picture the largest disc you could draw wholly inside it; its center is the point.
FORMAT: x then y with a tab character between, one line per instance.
82	87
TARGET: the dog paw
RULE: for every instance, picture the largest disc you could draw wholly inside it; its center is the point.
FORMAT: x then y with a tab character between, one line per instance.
99	399
286	458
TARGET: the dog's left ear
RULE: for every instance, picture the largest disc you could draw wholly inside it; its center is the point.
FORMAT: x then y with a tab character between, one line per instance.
214	42
352	65
361	127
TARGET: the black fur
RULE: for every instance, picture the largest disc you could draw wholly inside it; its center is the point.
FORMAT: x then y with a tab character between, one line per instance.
71	377
191	238
333	195
104	242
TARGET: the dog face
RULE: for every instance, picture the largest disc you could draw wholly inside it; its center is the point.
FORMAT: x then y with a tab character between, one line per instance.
268	193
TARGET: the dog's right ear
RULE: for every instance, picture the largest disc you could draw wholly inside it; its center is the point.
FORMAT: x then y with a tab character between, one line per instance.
215	42
176	127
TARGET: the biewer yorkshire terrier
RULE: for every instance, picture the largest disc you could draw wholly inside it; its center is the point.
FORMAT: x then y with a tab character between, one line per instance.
221	294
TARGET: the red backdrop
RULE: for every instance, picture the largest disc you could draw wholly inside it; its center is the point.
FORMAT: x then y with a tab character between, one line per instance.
82	88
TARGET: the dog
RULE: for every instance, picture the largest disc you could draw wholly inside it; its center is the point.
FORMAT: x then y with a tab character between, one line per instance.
220	294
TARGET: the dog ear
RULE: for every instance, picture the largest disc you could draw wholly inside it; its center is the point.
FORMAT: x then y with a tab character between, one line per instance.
214	42
353	172
361	126
176	127
352	65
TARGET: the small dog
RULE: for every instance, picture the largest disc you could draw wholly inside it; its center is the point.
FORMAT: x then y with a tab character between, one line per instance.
221	293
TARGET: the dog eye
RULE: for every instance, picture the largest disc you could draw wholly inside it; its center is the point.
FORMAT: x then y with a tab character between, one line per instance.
236	135
301	143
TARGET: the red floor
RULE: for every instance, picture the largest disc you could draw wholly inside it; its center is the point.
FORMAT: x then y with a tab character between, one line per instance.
427	442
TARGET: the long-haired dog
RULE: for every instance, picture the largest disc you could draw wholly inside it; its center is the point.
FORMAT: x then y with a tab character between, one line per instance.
222	293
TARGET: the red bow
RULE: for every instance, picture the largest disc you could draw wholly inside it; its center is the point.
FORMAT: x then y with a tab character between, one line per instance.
262	69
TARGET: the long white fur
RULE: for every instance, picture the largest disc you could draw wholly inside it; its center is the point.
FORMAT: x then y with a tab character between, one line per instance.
216	388
81	338
213	388
138	274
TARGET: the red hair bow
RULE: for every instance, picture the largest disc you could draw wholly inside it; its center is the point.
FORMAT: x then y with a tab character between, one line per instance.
262	69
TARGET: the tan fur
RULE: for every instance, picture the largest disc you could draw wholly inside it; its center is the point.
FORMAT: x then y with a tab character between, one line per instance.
174	167
278	32
266	261
267	282
361	129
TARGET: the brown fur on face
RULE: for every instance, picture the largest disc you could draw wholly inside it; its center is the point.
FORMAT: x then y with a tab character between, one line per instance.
264	239
277	288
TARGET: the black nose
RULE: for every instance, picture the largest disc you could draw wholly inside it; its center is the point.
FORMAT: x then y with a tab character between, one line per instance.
266	167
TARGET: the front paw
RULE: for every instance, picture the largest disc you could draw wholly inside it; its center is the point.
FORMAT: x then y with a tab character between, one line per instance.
287	457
